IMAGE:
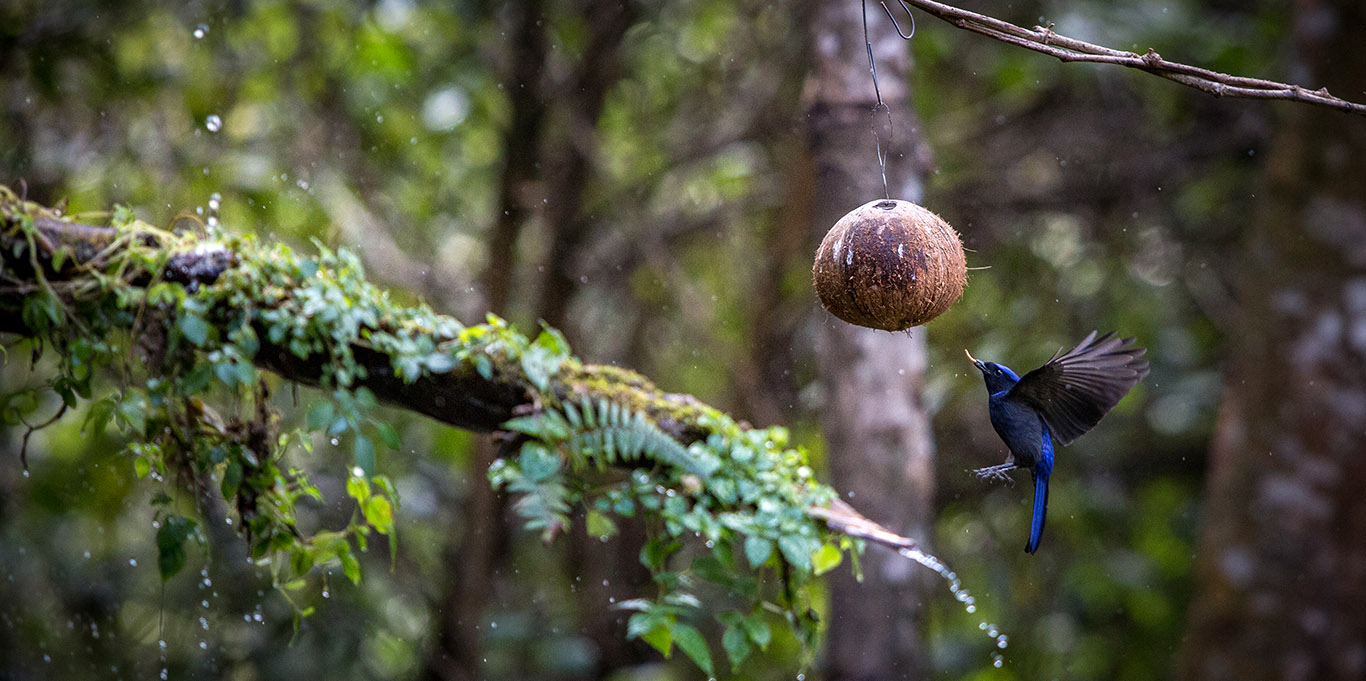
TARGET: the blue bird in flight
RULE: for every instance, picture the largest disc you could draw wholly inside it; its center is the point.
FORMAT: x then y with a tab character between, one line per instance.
1060	400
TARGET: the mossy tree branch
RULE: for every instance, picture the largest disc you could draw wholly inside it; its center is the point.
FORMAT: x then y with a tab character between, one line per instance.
206	311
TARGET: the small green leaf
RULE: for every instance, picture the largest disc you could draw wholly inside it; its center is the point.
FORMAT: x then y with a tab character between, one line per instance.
758	630
142	467
320	415
194	329
826	558
540	365
537	462
797	550
600	526
350	566
98	417
363	454
660	639
232	479
171	556
553	341
357	488
655	553
388	435
226	372
483	365
246	373
440	362
642	622
379	513
301	560
736	643
131	412
757	550
690	641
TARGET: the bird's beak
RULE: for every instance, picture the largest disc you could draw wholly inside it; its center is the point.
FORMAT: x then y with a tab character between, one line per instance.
976	362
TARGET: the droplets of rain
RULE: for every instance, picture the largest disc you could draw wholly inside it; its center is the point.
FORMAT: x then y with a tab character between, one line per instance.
200	31
214	123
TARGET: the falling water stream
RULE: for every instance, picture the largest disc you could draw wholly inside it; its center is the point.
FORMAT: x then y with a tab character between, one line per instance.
956	588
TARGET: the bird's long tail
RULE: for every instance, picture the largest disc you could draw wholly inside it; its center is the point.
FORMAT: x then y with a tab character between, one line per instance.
1040	509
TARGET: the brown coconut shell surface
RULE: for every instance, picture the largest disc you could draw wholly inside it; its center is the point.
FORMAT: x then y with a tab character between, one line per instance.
889	265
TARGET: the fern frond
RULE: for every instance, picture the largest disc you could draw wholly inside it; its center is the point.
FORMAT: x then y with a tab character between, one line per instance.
613	433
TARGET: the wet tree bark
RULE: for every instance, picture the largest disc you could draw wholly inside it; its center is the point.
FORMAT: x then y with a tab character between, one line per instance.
1281	568
875	423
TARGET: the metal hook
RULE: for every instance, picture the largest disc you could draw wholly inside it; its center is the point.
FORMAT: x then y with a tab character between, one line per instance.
904	36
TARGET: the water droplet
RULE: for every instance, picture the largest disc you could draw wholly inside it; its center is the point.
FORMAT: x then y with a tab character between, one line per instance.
133	562
357	472
961	594
213	123
26	472
200	31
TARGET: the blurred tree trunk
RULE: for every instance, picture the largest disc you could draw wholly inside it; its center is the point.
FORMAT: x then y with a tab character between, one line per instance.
476	556
874	419
1281	570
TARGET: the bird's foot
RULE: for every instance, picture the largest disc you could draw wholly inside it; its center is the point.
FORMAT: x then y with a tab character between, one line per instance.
998	472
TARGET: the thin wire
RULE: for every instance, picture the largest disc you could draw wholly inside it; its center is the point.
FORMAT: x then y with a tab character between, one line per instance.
881	105
903	34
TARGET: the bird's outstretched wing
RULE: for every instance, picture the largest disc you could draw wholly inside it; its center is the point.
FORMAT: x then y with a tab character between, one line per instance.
1075	389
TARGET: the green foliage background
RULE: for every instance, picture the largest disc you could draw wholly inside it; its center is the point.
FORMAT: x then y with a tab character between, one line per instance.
1097	198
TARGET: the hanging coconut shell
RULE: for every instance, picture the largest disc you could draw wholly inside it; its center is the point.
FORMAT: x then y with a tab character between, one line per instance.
889	265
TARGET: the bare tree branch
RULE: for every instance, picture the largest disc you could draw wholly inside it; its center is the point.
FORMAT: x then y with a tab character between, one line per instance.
1042	39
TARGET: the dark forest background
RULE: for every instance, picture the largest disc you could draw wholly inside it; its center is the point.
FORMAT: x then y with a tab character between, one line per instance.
652	178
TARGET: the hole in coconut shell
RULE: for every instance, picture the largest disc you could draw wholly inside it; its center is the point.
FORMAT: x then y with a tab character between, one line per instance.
886	205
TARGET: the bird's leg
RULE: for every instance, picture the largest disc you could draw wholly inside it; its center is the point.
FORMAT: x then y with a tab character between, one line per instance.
997	472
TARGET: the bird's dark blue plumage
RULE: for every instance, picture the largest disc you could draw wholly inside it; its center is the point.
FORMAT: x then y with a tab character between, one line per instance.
1060	401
